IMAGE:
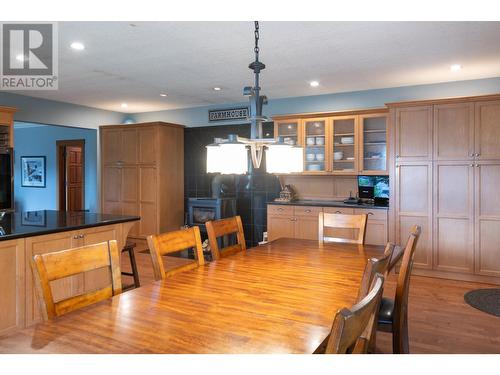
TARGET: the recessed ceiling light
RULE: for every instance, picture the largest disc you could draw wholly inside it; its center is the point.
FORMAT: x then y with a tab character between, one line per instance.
314	83
163	94
217	88
124	105
455	67
20	57
77	46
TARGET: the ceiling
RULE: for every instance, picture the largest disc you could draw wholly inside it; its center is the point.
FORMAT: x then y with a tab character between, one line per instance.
135	62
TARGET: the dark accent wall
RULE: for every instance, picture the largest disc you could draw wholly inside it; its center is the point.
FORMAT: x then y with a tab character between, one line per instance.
252	191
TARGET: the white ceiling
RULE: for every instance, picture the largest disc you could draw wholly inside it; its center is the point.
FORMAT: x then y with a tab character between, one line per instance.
133	64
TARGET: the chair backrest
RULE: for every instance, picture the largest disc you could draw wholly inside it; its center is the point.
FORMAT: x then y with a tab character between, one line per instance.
327	220
223	227
403	284
57	265
173	242
351	324
399	251
374	266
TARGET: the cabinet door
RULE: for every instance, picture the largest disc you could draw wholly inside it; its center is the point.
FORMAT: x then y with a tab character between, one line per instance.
12	298
487	249
487	130
148	201
129	146
453	217
315	145
306	222
147	145
290	130
130	194
413	193
280	227
111	145
61	289
413	133
376	226
345	141
111	189
373	144
454	131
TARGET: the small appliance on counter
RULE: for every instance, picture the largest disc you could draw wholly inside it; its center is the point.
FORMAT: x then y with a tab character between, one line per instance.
286	194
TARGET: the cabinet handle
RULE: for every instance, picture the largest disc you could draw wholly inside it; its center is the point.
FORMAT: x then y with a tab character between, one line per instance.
308	211
75	237
471	165
280	209
370	213
472	154
81	236
478	155
338	212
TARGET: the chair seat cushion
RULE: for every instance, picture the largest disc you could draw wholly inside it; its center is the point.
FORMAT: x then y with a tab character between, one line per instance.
386	311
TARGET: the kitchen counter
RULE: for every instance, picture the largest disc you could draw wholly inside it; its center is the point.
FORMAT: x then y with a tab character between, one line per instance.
328	203
35	223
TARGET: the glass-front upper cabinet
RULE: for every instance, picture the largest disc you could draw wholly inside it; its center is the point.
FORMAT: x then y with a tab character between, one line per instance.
373	144
345	139
315	144
290	130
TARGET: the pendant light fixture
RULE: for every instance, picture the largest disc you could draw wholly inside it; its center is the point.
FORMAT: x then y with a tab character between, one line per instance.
230	156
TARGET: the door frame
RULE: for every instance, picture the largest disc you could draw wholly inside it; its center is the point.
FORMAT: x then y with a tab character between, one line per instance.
61	187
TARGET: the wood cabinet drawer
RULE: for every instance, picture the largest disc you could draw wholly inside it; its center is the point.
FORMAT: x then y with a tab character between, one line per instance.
307	211
374	214
275	209
338	210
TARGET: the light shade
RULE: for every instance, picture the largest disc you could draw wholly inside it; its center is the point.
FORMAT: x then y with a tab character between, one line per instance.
227	158
283	158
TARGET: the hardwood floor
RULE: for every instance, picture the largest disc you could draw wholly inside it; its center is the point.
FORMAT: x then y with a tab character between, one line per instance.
439	319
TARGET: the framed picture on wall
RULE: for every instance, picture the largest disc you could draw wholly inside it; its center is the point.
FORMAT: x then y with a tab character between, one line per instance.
33	171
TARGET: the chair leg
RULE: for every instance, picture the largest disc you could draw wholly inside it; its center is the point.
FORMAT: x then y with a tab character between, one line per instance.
135	272
400	341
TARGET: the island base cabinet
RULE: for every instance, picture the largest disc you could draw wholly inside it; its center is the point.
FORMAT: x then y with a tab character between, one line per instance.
12	301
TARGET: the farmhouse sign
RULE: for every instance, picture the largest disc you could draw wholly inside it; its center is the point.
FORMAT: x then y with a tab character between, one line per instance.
228	114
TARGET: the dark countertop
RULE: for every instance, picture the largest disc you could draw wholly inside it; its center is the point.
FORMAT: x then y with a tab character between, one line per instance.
35	223
327	203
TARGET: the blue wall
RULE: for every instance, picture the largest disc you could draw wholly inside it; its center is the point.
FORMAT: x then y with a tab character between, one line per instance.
332	102
33	140
44	111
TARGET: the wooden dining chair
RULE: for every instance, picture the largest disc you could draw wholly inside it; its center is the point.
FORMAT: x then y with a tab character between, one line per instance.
393	313
373	267
399	250
174	242
57	265
351	326
327	220
224	227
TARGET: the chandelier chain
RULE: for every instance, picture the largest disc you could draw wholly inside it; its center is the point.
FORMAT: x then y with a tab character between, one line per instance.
256	49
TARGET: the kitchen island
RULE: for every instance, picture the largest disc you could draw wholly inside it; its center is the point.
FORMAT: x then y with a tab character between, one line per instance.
23	234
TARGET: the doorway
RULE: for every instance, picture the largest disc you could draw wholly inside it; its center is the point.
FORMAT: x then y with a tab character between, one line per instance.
71	175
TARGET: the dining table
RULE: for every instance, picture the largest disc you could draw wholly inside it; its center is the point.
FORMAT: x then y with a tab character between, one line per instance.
280	297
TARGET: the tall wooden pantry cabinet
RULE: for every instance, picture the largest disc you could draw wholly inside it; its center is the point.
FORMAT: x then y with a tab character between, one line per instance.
446	173
142	173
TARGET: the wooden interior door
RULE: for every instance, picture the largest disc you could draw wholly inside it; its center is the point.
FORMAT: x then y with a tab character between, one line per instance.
453	217
414	133
487	219
74	178
454	131
487	130
414	207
